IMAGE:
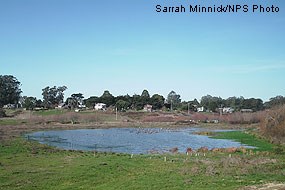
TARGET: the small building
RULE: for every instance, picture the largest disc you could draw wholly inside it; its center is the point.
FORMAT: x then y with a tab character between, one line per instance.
201	109
147	108
61	106
10	106
246	110
228	110
82	106
100	106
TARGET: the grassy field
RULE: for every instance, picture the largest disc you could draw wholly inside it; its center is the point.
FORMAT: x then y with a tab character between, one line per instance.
246	138
50	112
29	165
11	122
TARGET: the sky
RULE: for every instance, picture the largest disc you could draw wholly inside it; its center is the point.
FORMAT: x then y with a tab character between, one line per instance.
126	46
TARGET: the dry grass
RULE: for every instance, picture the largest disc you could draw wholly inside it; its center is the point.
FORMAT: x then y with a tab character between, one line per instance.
273	125
234	118
244	118
71	118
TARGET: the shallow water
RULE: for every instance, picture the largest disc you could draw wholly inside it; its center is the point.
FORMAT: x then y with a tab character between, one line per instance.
129	140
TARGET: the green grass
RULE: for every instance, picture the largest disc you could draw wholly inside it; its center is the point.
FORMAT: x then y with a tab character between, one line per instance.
50	112
245	138
101	116
29	165
11	121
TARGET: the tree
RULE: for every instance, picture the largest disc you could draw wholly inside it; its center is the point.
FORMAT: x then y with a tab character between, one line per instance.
211	103
107	98
29	102
173	99
145	97
78	98
191	105
234	102
60	94
39	103
53	96
275	101
122	105
145	94
91	101
9	90
157	101
126	98
195	102
123	102
136	103
253	103
71	103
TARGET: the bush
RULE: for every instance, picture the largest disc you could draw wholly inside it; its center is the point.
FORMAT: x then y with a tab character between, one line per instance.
2	113
279	150
245	118
273	125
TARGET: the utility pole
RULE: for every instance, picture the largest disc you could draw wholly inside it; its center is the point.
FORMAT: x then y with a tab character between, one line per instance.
188	108
171	106
116	113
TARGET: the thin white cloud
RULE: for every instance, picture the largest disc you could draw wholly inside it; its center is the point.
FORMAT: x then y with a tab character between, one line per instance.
259	68
251	68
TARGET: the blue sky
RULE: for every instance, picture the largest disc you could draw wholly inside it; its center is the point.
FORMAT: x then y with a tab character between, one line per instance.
126	46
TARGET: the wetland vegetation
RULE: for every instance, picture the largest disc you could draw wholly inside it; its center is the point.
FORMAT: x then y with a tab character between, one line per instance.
30	165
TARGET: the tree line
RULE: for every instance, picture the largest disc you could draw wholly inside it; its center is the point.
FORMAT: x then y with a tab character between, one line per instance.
10	93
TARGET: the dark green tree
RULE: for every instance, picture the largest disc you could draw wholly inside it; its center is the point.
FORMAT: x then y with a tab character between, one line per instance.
122	105
53	96
39	103
234	102
191	105
211	103
173	99
145	98
29	103
9	90
157	101
145	93
195	102
137	103
126	98
71	103
123	102
77	99
252	103
91	101
275	102
107	98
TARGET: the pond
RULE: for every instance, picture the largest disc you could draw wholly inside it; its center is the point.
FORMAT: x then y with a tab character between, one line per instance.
130	140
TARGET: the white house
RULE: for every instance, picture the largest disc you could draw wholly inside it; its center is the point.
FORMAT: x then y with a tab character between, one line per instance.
246	110
100	106
82	106
10	106
201	109
228	110
147	108
60	106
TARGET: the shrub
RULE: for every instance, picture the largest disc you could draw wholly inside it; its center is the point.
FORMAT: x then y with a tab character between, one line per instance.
2	113
244	118
273	125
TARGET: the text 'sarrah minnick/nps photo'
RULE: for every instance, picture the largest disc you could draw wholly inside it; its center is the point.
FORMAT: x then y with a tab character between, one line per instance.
236	8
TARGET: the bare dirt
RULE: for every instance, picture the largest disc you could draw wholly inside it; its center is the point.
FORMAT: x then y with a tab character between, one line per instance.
268	186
